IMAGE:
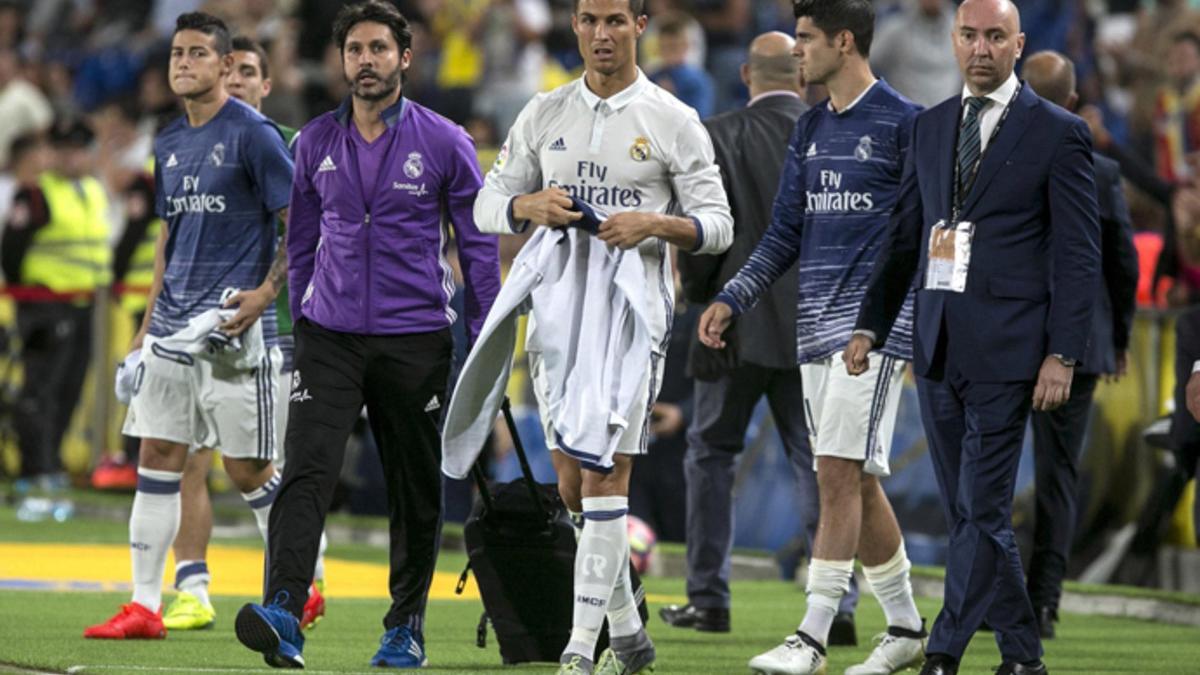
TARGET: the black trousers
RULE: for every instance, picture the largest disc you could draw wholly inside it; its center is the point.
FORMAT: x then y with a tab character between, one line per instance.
1057	444
57	346
402	381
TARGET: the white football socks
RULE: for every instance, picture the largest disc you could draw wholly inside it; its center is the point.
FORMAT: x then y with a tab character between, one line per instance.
319	568
603	546
260	501
623	617
891	586
153	524
191	576
828	581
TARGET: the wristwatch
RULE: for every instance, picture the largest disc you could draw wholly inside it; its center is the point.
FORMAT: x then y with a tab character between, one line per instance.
1069	363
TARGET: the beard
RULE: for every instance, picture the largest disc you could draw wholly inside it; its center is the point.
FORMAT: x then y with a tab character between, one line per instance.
384	86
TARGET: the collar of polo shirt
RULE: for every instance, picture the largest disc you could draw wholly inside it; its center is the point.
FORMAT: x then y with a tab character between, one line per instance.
618	100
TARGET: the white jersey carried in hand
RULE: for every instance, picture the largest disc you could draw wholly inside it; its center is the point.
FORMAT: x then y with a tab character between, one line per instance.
638	150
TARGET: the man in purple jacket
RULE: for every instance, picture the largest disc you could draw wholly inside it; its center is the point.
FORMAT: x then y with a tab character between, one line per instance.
377	182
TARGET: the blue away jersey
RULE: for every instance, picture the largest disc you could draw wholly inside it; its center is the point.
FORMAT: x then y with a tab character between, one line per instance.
218	187
840	181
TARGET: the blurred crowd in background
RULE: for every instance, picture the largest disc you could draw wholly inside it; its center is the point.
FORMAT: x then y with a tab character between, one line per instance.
83	90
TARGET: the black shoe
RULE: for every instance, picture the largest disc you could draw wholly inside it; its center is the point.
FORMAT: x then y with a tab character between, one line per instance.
939	664
1046	617
708	620
1014	668
842	633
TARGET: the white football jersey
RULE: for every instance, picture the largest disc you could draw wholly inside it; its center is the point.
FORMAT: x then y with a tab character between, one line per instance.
638	150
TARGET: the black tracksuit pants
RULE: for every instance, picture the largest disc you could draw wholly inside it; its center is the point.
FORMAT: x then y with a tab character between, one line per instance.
57	346
402	381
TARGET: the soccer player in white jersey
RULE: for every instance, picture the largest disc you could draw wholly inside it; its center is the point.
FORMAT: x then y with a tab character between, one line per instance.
635	153
222	176
840	181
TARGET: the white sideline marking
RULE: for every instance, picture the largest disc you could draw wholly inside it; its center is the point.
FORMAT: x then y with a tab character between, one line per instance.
76	669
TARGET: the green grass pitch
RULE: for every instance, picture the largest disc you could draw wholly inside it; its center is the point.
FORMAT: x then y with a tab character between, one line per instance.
43	630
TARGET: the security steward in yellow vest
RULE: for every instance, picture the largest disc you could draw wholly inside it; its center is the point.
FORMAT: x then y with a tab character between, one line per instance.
55	255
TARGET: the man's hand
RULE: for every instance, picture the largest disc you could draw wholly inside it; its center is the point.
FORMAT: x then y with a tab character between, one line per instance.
666	419
855	355
1193	395
713	323
1053	385
251	305
550	207
628	229
1122	367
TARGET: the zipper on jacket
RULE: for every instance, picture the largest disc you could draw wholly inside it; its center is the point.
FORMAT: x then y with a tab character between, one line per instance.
367	259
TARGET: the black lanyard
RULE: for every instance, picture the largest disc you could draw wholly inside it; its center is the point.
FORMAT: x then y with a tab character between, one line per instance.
957	196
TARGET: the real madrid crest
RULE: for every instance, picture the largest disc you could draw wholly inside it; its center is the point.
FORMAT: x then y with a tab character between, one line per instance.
640	150
413	168
218	154
863	152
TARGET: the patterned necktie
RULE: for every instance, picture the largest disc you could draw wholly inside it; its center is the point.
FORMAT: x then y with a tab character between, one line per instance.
968	145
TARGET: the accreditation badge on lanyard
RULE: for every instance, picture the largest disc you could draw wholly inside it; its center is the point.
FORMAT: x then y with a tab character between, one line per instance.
950	240
949	256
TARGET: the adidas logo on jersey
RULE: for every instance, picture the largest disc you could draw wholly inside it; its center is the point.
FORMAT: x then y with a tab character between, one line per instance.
559	145
327	165
171	161
433	404
812	150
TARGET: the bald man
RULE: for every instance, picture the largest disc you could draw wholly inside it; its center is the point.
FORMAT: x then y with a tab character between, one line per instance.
998	212
750	144
1058	435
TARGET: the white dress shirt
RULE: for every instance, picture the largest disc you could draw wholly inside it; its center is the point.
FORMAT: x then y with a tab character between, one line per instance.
993	109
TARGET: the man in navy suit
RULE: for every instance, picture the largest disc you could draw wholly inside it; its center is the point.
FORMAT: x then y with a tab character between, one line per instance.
1058	435
1001	184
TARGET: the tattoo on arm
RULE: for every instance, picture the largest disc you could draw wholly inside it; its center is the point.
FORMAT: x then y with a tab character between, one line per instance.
277	275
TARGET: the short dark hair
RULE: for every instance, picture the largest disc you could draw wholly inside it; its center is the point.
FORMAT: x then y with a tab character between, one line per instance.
22	145
241	43
1189	36
126	105
209	25
374	11
835	16
636	7
71	132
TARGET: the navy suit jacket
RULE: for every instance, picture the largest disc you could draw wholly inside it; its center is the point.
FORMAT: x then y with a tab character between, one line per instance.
1118	259
1035	262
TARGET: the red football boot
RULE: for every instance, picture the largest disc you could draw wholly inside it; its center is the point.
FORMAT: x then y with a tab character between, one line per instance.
133	622
314	607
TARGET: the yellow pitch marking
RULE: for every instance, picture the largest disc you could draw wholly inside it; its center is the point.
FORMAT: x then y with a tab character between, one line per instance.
235	571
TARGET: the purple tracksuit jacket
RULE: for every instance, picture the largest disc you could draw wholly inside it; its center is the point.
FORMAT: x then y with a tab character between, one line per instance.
371	259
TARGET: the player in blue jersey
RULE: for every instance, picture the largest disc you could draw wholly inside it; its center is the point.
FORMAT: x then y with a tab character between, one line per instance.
206	377
248	81
840	181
